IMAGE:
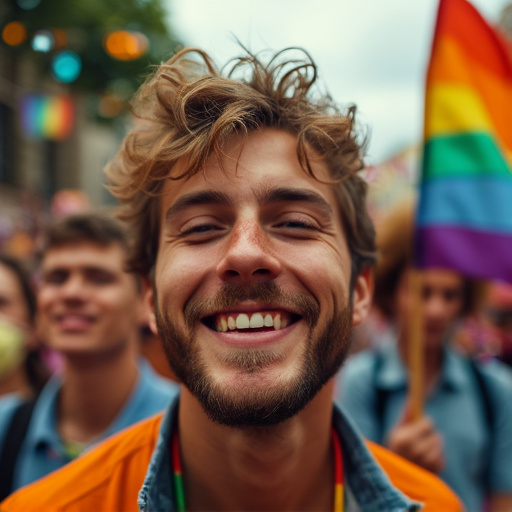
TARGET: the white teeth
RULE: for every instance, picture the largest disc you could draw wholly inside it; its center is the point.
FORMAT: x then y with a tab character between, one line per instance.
254	321
242	321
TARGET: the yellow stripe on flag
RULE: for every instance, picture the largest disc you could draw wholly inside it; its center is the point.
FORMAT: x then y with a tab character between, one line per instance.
455	109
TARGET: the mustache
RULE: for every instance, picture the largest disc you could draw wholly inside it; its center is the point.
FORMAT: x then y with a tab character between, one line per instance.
267	292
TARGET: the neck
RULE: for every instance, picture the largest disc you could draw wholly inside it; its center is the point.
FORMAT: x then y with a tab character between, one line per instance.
94	390
284	467
16	382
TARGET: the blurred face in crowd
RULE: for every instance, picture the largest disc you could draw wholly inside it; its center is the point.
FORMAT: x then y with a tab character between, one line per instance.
442	303
13	305
15	322
498	312
252	282
87	303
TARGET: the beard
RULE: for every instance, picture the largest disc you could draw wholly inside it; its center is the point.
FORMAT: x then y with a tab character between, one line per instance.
252	406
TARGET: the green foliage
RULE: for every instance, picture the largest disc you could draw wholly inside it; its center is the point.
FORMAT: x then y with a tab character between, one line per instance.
86	23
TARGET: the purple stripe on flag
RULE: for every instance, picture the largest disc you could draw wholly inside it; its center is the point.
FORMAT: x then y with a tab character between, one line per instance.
473	253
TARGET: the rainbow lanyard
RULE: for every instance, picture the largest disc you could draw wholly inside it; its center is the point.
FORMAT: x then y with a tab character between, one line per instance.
339	505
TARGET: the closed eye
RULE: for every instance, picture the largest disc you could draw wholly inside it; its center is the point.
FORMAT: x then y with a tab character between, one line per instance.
297	224
200	231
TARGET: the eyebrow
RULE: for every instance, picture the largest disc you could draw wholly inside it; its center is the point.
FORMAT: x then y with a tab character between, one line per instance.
274	195
295	195
196	199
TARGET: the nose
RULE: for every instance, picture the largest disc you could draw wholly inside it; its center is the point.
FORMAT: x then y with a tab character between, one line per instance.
248	256
435	307
73	288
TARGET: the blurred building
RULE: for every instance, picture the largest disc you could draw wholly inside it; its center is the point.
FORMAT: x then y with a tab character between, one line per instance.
41	163
66	75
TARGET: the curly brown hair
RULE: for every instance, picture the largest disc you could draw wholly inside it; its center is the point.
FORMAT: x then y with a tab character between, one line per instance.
188	109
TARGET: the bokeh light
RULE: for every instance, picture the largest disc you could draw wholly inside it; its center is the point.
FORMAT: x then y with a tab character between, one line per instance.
66	66
42	41
110	105
60	38
28	4
14	33
125	45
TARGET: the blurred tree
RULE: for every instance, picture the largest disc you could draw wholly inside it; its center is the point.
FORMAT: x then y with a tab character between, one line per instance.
81	26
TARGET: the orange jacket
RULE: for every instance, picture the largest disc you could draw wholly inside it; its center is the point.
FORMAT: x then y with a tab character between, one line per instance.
108	478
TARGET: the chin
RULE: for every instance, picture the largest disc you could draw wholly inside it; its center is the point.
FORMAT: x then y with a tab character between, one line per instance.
249	406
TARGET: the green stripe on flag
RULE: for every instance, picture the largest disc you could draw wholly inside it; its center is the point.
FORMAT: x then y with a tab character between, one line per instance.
468	154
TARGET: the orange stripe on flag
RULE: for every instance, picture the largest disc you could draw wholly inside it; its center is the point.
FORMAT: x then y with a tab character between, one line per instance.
459	20
494	94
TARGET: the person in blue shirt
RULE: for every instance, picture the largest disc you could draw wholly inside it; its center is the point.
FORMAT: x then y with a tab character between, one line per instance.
90	311
465	435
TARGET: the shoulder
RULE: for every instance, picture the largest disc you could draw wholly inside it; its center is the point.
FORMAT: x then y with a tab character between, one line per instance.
416	483
107	478
497	374
8	404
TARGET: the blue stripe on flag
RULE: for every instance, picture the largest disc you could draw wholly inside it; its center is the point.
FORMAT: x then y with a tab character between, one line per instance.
483	203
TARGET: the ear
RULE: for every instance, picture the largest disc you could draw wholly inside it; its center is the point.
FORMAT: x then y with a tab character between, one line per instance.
362	296
145	308
149	301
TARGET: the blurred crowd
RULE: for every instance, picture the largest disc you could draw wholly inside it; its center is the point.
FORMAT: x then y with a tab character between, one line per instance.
79	360
465	433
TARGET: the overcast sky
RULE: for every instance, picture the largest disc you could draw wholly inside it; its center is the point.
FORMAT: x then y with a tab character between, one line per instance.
369	52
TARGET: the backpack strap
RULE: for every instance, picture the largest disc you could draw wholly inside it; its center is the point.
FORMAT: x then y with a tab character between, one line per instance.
488	410
381	395
12	443
485	394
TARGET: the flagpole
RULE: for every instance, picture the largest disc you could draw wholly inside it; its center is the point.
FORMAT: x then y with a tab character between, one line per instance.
415	349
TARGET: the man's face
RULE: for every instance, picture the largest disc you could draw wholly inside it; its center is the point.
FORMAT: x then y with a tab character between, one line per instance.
87	303
442	303
252	282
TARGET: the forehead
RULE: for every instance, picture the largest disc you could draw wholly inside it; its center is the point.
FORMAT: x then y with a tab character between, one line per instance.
84	253
251	166
442	278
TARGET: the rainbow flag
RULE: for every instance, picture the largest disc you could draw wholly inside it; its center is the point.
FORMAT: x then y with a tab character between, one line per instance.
464	218
47	117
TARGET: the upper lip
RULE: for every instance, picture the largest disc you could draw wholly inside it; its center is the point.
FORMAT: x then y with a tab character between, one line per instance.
249	309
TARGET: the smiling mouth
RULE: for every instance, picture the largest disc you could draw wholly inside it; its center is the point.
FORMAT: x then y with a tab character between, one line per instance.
257	321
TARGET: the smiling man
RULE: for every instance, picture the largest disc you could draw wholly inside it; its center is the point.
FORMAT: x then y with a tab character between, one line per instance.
249	218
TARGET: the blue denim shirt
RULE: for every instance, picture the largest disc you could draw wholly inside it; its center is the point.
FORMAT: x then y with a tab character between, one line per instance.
475	457
42	450
368	488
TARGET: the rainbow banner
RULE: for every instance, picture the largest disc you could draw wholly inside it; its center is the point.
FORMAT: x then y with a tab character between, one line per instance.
464	218
47	117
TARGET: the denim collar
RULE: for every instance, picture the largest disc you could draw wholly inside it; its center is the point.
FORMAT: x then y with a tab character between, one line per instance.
367	482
